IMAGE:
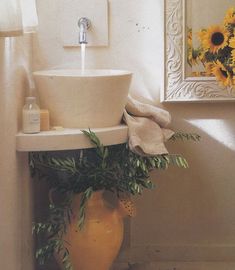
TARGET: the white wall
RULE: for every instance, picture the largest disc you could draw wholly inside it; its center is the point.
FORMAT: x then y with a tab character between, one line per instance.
190	216
15	209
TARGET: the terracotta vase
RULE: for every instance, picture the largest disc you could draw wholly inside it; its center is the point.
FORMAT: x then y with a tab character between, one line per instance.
98	243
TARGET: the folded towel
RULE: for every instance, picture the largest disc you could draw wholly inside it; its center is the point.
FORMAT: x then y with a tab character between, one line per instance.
158	115
147	132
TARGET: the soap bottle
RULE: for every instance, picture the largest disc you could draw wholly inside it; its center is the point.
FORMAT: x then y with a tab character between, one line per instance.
31	116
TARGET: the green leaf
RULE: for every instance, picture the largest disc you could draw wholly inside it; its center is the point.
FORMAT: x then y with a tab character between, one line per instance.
85	197
185	136
114	168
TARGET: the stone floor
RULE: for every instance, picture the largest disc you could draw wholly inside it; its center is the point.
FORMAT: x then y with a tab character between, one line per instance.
176	266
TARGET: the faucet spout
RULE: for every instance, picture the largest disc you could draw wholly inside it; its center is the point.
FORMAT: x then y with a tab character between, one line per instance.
83	24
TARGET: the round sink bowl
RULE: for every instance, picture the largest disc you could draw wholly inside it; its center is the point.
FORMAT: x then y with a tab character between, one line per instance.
90	99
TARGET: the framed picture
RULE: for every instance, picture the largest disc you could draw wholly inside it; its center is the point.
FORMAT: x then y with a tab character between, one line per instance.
199	50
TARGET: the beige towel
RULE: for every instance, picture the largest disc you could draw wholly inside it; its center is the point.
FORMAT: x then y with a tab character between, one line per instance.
158	115
146	128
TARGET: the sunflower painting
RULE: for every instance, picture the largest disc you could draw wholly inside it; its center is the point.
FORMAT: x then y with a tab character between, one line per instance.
216	50
214	38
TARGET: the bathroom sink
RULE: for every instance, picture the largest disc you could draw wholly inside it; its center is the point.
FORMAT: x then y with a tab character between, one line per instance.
90	99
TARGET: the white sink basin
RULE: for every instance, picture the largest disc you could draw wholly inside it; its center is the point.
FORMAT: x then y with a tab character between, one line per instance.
94	99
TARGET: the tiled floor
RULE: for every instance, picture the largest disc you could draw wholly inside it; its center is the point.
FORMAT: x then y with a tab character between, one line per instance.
177	266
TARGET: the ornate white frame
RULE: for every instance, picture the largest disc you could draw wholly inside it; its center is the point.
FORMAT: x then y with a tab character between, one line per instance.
176	86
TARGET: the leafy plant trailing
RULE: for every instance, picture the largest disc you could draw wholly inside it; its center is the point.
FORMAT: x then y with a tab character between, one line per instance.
114	168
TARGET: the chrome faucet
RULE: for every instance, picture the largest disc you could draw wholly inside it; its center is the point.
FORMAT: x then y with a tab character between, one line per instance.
84	24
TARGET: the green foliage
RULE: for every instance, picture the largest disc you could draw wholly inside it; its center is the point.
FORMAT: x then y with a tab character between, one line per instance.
114	168
54	228
85	197
185	136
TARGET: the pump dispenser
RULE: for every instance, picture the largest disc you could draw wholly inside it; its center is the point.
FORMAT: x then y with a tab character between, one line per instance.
31	116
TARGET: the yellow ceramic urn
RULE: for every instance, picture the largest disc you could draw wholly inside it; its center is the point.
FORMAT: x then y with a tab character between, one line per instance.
97	244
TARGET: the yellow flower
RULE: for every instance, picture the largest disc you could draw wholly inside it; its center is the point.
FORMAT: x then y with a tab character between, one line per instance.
214	38
196	74
194	56
232	42
189	47
230	16
209	68
189	38
202	34
233	56
222	74
234	78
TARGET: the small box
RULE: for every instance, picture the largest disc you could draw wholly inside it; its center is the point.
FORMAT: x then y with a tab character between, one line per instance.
44	120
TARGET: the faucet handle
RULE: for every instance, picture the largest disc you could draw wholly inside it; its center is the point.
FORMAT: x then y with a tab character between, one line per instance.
84	22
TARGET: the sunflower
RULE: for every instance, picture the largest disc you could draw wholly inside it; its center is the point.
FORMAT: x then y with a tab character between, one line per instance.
222	74
197	56
232	42
190	38
213	38
233	56
209	68
189	47
230	16
234	78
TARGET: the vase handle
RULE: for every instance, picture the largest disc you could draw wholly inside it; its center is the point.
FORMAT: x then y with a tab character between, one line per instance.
126	206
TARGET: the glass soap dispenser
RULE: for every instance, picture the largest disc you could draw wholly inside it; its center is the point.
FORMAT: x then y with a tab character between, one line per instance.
31	116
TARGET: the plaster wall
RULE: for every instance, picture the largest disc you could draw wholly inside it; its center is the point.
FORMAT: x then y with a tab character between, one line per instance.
190	216
15	206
